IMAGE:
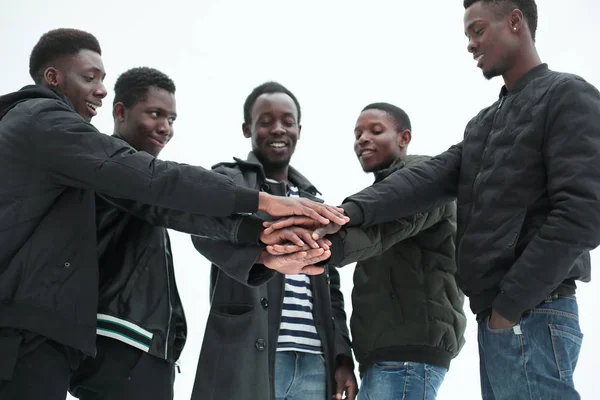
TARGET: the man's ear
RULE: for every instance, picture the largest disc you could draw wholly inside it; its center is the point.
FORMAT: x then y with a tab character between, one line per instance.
404	138
246	130
52	77
119	112
299	131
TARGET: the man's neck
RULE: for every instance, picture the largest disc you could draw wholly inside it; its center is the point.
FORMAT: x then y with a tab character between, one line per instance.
277	174
525	62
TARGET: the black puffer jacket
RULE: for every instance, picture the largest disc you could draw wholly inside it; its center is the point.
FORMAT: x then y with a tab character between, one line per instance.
528	185
406	304
53	162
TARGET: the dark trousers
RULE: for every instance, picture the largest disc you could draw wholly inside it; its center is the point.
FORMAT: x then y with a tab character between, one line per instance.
34	367
122	372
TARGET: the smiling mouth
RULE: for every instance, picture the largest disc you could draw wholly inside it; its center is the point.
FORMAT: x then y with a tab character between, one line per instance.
478	59
366	153
277	145
157	142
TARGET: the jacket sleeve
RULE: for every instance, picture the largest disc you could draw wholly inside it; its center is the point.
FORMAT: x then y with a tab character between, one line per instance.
235	229
408	191
571	152
236	260
355	244
75	154
342	344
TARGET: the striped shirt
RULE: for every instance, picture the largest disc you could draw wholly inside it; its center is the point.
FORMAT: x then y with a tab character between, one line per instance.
297	330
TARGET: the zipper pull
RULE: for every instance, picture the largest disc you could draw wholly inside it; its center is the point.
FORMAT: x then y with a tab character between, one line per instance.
501	102
178	365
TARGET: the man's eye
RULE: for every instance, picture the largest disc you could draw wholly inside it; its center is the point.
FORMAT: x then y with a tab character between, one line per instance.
171	120
377	132
88	78
154	114
266	122
478	32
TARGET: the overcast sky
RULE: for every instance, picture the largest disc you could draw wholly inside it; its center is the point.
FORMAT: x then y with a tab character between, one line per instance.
336	56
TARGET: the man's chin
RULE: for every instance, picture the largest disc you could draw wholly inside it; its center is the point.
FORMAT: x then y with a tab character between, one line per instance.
492	73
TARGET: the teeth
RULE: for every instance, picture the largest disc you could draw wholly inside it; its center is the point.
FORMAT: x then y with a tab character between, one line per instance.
479	58
277	145
92	106
367	152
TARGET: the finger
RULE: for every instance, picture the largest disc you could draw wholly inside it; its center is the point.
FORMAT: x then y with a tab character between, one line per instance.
333	214
306	235
329	243
323	244
315	212
295	220
319	233
281	249
267	224
291	236
351	391
315	259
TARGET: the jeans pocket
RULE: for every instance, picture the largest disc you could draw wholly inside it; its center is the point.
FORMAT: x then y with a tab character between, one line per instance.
510	329
566	344
391	365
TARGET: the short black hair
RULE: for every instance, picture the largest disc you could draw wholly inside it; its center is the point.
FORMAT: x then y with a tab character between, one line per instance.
132	85
267	87
56	44
527	7
398	115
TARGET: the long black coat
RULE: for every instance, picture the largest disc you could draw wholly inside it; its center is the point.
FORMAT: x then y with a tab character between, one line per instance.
238	352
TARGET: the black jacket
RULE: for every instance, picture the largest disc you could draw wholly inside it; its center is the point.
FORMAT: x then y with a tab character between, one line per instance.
53	162
138	302
237	359
528	185
406	305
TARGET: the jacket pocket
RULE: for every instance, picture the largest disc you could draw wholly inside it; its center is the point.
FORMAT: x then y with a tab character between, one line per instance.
232	310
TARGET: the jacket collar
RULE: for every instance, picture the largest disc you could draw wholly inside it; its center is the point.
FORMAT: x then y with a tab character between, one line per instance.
530	75
252	162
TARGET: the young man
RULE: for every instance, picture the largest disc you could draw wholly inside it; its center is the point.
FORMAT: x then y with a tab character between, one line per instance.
528	190
54	161
141	324
286	338
407	318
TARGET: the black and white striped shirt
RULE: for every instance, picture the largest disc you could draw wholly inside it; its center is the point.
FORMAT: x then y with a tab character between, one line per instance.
297	330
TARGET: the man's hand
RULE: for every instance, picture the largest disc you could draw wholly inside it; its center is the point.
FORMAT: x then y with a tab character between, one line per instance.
320	230
345	382
278	206
297	263
296	235
288	248
497	321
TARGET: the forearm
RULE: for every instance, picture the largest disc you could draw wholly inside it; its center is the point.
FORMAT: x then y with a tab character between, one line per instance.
419	188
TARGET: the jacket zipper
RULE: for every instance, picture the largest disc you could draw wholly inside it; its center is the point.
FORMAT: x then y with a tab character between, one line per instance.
477	179
169	294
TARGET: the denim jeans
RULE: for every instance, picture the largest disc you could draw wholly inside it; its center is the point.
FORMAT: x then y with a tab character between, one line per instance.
300	376
401	380
536	358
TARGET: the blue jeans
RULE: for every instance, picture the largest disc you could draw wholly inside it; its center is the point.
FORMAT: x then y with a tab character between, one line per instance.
401	380
300	376
535	359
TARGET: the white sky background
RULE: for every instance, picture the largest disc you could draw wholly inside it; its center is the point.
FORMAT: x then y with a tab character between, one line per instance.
336	56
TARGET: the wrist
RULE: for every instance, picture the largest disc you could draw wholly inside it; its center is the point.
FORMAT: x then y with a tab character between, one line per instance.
263	201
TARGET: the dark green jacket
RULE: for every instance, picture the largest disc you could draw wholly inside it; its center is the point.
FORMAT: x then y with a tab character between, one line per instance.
406	302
